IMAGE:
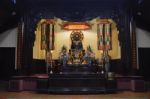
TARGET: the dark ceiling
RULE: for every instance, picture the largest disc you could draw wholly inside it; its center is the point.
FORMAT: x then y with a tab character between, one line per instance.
142	14
10	15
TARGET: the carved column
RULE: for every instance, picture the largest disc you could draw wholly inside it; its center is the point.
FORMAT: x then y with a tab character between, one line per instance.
133	46
19	46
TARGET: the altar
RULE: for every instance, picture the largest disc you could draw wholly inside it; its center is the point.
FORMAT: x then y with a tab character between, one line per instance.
77	57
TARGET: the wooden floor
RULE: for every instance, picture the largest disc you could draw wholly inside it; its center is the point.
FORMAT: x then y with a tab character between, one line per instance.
33	95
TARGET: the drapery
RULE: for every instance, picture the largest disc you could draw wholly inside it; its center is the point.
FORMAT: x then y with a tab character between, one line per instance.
107	36
44	40
104	36
47	37
100	37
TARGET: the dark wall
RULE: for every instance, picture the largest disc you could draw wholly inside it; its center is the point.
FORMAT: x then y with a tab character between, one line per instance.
7	62
144	62
38	66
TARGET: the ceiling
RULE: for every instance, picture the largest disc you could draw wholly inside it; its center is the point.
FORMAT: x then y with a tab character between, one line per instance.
10	15
142	14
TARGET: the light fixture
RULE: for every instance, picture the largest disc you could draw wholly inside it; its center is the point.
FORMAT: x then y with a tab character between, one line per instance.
76	26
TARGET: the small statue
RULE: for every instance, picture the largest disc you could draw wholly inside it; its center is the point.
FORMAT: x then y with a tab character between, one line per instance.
89	55
64	55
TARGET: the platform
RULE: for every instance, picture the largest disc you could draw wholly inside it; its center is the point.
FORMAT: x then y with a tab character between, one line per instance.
76	83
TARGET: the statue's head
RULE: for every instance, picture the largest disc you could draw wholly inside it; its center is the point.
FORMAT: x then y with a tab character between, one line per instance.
64	48
76	37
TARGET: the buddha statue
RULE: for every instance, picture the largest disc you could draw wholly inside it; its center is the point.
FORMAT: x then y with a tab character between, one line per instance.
76	47
76	42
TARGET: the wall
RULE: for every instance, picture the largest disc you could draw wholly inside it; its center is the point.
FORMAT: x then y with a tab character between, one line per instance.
8	44
62	37
143	38
143	51
9	38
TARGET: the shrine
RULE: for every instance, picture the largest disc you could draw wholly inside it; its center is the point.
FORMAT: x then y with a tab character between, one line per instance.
72	49
79	46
